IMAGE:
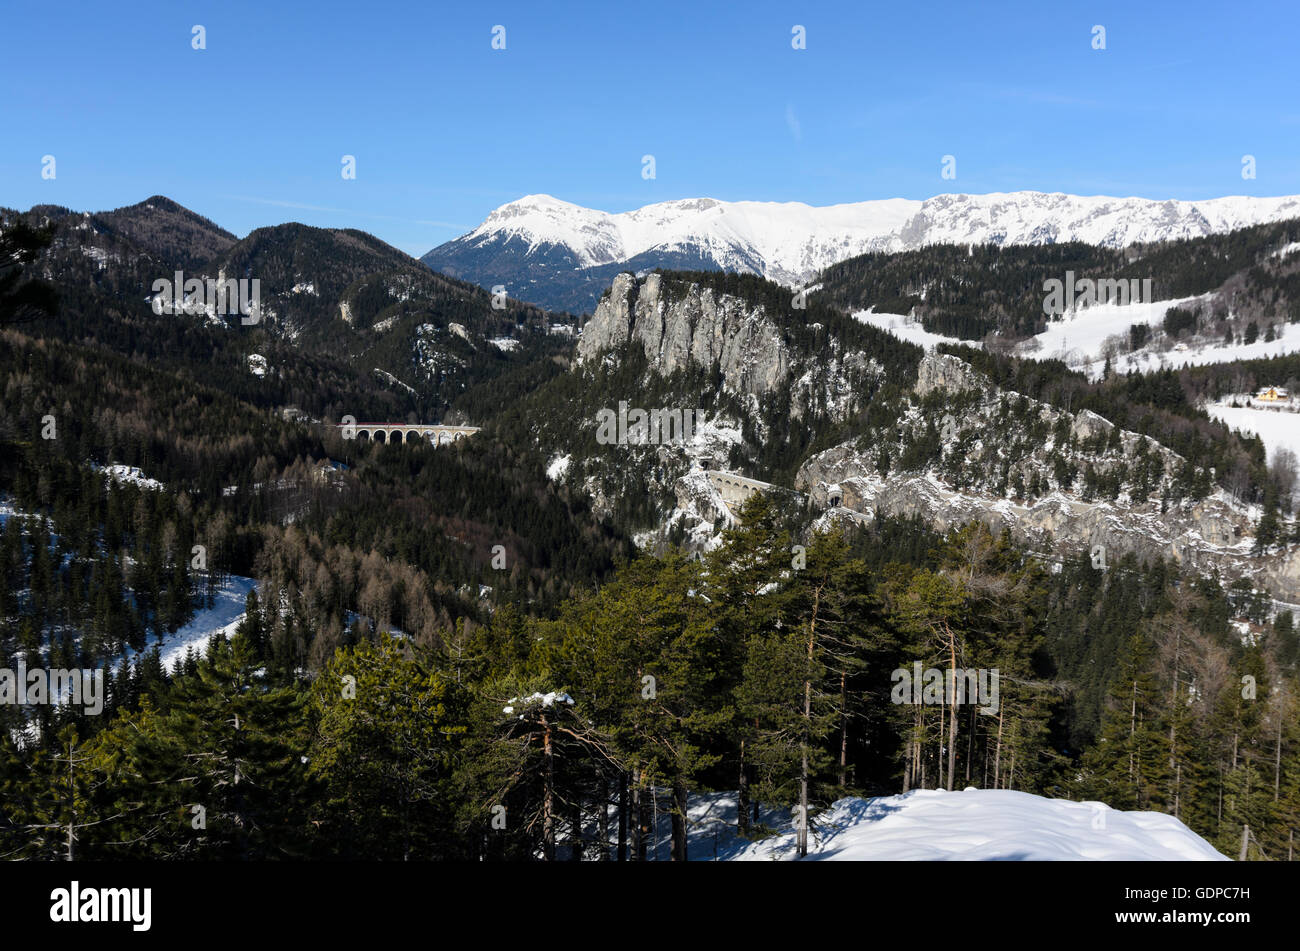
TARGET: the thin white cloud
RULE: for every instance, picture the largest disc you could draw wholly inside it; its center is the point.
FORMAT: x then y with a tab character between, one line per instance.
792	122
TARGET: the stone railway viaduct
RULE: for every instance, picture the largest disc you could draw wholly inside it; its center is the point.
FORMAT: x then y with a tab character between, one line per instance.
437	435
735	489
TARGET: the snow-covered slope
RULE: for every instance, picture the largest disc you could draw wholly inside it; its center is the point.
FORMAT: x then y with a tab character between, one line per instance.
1081	338
935	825
223	617
1279	429
985	825
790	241
909	328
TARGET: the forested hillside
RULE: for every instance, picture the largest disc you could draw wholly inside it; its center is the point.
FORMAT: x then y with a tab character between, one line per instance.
751	670
348	324
971	291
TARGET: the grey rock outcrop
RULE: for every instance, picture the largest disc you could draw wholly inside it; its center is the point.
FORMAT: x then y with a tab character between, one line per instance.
690	325
1210	534
942	371
678	324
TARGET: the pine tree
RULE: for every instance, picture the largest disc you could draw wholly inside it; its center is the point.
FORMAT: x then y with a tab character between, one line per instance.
386	734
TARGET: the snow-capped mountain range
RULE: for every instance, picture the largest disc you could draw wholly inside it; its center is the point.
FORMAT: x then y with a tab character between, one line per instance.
539	240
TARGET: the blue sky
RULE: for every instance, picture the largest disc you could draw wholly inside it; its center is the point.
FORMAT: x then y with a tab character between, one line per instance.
251	131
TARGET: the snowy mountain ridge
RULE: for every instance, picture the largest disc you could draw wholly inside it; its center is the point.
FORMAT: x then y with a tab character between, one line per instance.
791	241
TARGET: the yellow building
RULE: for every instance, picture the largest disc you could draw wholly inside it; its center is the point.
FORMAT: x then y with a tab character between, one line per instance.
1272	394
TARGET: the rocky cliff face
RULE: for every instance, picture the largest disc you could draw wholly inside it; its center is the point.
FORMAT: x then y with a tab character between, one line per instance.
690	325
1209	534
942	371
677	324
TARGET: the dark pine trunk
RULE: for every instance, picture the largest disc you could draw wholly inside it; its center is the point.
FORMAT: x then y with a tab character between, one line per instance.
679	822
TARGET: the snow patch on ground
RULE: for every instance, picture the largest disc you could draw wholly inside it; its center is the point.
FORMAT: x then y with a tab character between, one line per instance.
1079	339
908	328
1196	355
129	475
1078	336
257	364
506	344
223	617
557	467
1278	429
931	825
985	825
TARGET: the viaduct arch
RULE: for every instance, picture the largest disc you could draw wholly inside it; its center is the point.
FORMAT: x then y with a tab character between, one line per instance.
436	435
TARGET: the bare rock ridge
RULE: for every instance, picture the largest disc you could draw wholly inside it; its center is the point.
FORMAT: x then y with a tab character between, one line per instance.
677	324
1213	533
696	326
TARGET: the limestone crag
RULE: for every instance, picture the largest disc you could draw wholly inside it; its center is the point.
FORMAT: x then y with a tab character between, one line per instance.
678	324
1214	533
697	326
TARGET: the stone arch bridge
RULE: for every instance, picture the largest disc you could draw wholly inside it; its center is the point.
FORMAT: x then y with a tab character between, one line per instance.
436	435
735	489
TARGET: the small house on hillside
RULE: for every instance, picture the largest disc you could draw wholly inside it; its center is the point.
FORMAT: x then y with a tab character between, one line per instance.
1272	394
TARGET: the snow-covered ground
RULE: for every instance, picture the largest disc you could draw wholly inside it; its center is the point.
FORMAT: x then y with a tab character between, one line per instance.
909	329
129	474
1147	360
929	824
988	825
1277	428
557	467
1078	336
504	343
1078	339
224	616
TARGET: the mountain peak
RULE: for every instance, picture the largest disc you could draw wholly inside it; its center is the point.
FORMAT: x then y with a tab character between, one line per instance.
542	236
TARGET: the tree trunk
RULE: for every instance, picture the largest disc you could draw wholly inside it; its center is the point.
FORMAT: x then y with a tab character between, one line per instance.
679	822
807	730
602	824
742	797
575	828
72	805
943	733
1132	731
1277	754
1174	772
548	794
638	842
970	746
622	817
642	818
844	730
997	754
952	714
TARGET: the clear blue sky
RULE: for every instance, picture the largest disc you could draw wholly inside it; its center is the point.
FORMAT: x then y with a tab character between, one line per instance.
251	131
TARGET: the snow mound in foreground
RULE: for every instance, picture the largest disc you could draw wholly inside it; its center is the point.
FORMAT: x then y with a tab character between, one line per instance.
986	825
